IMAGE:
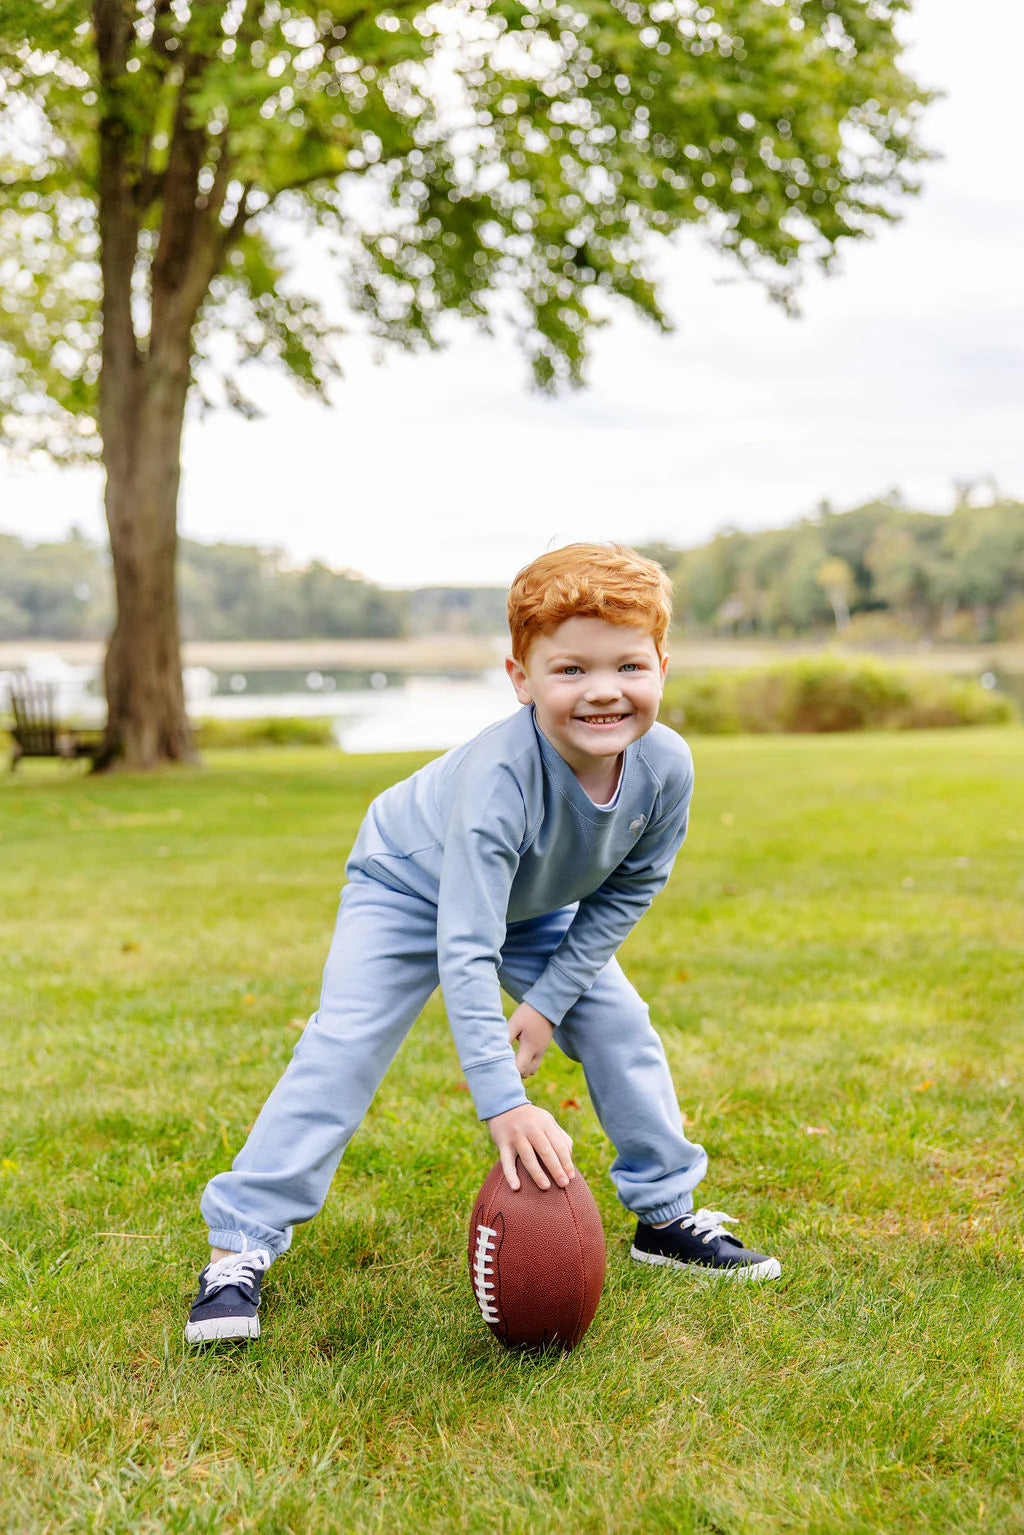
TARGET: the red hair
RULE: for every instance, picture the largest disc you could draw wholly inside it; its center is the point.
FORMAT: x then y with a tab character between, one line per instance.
608	581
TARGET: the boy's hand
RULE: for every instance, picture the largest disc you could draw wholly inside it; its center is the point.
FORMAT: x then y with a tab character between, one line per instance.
533	1031
535	1137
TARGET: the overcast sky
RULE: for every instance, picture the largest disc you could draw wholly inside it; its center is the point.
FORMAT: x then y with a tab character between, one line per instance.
904	370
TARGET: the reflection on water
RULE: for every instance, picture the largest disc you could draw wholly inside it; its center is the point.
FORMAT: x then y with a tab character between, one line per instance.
410	712
425	714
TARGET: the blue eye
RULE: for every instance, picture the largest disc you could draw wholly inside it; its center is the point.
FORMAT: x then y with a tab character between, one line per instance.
629	666
569	671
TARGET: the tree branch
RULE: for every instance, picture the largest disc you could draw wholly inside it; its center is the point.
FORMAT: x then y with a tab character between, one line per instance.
235	228
299	182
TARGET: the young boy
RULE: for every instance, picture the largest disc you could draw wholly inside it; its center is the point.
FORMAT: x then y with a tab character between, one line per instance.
518	861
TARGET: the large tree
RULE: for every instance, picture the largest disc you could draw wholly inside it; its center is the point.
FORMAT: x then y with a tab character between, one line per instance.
503	161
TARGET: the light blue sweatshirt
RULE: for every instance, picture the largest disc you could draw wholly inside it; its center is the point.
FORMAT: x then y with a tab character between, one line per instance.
500	831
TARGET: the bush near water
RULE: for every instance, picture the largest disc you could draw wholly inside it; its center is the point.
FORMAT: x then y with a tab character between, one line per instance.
821	694
282	730
242	735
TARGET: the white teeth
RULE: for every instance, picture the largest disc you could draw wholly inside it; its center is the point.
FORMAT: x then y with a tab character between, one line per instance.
601	719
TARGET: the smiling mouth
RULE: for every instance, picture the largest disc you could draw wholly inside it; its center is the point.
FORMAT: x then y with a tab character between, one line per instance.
600	719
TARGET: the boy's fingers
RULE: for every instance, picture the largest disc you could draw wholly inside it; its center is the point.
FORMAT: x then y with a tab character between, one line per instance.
553	1162
562	1142
528	1157
559	1171
508	1167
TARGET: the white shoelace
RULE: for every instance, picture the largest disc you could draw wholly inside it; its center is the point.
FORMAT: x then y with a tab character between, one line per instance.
707	1224
239	1267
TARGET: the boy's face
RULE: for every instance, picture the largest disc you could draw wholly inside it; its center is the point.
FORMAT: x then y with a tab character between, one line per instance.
596	687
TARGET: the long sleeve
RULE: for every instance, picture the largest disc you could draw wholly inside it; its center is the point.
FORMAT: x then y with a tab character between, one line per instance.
605	918
485	831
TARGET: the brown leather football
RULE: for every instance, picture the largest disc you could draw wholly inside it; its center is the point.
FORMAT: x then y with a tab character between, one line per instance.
536	1259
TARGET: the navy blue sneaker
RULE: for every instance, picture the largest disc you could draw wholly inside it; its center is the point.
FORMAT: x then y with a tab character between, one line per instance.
700	1242
228	1302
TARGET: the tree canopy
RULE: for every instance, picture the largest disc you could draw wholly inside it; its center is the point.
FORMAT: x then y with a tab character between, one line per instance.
880	570
502	160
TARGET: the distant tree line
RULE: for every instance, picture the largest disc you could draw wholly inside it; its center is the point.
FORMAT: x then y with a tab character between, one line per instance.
879	571
64	591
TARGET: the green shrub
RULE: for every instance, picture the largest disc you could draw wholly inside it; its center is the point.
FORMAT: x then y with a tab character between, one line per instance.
282	730
704	703
826	693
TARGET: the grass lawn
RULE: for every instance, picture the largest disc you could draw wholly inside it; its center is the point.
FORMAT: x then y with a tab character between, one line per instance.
837	971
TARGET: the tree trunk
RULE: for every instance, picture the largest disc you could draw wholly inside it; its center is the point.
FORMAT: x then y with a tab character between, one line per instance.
144	383
840	608
146	720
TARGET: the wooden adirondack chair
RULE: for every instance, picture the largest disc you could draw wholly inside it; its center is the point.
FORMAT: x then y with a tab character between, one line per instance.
37	730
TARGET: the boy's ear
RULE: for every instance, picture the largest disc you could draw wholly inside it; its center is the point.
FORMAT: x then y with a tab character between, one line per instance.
519	680
664	667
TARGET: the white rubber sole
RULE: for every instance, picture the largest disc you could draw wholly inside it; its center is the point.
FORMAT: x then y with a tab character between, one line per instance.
222	1328
771	1268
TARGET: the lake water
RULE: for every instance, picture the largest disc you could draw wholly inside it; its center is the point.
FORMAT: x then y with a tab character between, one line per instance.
370	711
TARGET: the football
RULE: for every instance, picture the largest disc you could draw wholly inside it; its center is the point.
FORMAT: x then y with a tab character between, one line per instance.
536	1260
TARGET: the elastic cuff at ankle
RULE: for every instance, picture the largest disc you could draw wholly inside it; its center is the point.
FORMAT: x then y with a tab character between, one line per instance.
240	1242
670	1212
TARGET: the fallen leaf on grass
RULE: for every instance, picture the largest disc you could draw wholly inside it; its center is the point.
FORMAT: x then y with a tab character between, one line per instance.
570	1103
817	1130
296	1023
923	1086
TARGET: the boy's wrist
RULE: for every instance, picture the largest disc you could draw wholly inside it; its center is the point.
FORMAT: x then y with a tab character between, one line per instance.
552	994
496	1086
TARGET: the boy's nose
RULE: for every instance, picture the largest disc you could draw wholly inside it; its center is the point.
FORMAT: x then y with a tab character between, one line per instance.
603	688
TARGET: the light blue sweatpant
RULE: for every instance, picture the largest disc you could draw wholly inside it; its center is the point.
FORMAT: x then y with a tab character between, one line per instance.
381	969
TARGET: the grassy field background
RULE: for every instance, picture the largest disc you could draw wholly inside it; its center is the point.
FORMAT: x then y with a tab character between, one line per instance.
837	971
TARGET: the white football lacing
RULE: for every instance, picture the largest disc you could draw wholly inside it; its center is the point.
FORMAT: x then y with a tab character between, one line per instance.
484	1287
707	1224
239	1268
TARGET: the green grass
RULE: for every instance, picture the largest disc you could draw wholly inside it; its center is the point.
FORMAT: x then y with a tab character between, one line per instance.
836	969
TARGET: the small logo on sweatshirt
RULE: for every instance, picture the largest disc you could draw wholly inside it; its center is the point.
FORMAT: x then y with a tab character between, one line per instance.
638	824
